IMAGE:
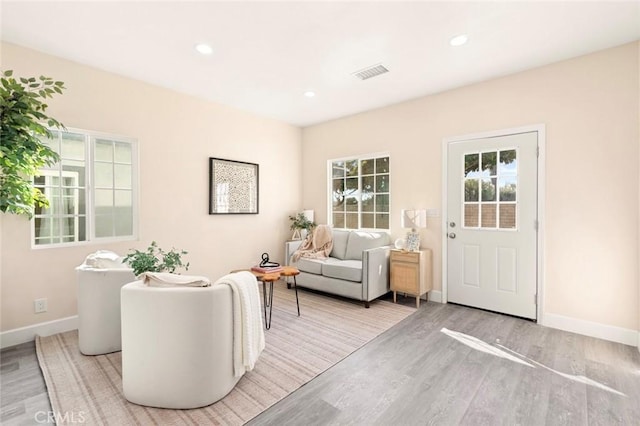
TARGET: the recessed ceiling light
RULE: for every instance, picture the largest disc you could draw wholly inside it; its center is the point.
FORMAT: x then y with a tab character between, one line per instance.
203	48
309	94
459	40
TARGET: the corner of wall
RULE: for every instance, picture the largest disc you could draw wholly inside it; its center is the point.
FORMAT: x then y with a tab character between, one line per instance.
435	296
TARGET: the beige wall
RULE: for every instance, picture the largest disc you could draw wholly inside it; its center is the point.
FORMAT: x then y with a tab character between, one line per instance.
590	107
176	135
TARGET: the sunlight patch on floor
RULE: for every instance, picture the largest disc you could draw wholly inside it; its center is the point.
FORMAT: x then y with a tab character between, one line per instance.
506	353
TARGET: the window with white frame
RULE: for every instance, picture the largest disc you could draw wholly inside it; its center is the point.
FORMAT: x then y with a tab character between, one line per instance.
91	190
359	192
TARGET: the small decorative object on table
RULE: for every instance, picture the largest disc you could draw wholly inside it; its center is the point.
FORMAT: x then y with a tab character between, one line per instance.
413	219
267	267
413	241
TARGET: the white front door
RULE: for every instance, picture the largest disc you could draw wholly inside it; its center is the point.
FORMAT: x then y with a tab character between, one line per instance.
492	223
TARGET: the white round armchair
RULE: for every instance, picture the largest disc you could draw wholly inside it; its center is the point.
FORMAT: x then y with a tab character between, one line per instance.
177	345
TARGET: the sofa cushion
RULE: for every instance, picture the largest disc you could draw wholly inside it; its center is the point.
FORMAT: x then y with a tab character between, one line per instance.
312	266
350	270
360	241
340	239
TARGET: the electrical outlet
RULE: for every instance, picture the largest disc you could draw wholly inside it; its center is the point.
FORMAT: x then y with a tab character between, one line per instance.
40	305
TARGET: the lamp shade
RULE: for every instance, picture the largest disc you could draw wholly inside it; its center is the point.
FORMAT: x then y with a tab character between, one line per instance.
414	219
308	214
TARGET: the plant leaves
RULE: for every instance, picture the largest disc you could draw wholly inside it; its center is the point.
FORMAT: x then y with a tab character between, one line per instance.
22	152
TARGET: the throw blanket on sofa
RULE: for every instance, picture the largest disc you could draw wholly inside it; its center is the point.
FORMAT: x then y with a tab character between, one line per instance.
248	333
317	245
166	279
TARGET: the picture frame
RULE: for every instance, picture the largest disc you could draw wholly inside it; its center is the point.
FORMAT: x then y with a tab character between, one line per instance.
233	187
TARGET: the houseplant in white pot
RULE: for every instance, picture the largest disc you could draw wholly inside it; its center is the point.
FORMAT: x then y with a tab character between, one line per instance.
155	259
300	223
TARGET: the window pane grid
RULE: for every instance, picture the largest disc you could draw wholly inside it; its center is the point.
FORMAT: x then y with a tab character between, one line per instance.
113	183
489	188
360	193
66	185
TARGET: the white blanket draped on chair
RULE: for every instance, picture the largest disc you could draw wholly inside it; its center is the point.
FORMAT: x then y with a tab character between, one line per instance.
248	332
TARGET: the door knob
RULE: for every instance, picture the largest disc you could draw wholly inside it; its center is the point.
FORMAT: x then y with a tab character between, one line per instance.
452	235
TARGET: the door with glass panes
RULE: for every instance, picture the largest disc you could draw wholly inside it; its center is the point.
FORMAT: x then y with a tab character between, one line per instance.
492	223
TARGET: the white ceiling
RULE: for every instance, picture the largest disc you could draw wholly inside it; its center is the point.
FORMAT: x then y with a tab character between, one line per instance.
267	54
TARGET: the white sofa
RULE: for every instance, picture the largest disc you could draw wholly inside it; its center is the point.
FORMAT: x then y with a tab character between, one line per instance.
357	268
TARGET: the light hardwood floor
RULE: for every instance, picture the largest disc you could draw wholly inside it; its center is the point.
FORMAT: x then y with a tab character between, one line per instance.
22	389
416	375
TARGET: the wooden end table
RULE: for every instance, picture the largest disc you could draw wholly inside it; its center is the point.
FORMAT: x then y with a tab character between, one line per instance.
264	278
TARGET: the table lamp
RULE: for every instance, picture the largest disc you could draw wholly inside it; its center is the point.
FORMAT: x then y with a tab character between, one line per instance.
308	214
413	219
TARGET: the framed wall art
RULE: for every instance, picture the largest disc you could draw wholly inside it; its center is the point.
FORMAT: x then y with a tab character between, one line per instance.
233	187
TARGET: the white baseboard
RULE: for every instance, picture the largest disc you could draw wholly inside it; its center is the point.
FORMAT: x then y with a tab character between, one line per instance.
26	334
625	336
435	296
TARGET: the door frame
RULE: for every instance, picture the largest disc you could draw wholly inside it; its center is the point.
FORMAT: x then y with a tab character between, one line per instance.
540	128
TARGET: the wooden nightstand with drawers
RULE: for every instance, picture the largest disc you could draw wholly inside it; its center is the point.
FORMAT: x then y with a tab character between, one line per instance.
411	273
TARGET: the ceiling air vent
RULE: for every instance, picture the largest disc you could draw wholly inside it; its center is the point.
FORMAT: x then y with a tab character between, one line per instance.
370	72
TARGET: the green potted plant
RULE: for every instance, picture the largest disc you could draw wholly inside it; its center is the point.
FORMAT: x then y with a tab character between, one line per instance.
154	259
23	123
300	223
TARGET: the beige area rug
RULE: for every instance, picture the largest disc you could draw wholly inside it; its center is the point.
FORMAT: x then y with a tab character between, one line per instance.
297	350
